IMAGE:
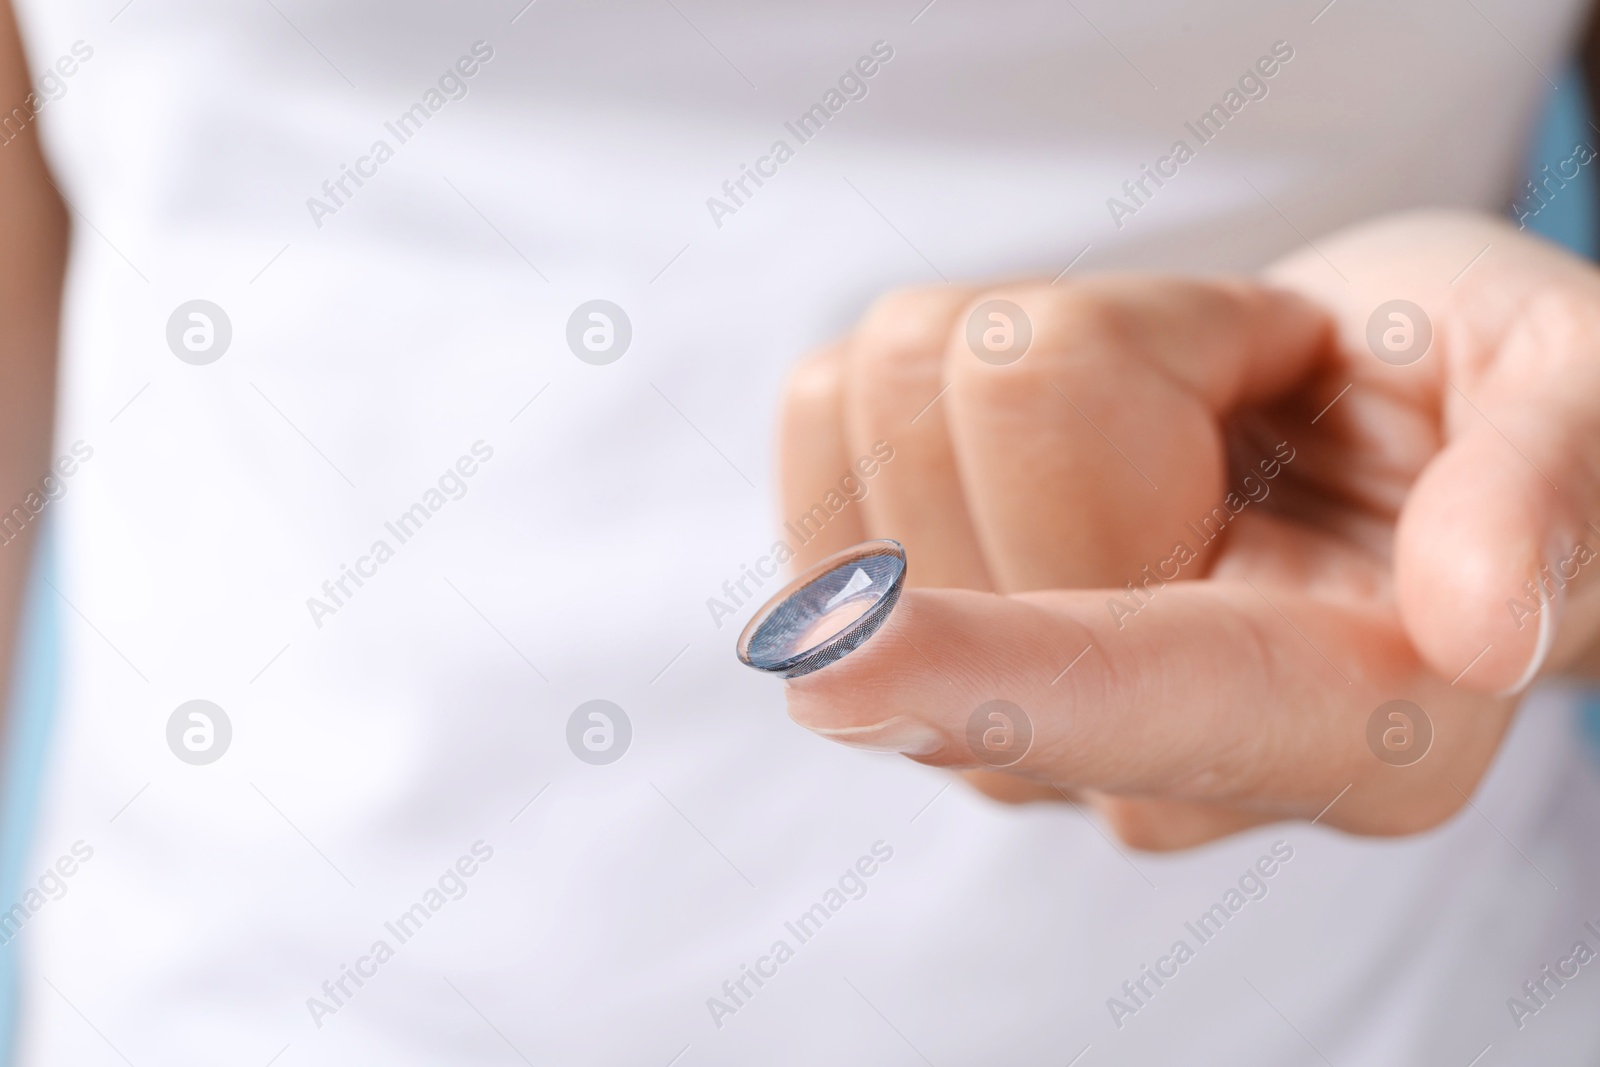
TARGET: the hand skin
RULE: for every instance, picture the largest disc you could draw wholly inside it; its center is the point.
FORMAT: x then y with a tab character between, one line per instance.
33	253
1378	567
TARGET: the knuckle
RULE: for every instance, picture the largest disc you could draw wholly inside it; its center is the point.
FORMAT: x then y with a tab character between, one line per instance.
815	379
1074	330
1136	825
1079	324
1562	320
903	334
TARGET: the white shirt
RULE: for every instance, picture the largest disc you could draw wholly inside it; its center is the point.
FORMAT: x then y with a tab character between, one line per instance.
381	335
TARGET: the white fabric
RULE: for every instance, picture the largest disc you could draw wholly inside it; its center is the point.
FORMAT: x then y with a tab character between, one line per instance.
372	351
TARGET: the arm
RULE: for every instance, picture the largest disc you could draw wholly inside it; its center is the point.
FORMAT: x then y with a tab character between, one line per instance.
33	250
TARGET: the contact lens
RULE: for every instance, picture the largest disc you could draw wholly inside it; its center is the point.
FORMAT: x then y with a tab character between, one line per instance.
826	613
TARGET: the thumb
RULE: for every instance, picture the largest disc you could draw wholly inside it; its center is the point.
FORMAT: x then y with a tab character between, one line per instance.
1494	543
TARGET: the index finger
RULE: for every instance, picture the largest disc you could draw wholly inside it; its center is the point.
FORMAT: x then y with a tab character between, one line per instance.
1214	693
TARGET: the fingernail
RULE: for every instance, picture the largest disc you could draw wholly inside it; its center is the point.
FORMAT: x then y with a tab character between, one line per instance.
899	734
1550	608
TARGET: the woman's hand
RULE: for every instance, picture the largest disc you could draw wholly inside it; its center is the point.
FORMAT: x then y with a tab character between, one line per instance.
1200	533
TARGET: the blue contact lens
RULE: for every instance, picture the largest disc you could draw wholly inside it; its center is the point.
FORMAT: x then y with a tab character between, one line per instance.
826	613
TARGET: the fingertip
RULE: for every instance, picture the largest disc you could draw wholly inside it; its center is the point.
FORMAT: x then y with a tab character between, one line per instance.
1478	551
925	663
861	688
